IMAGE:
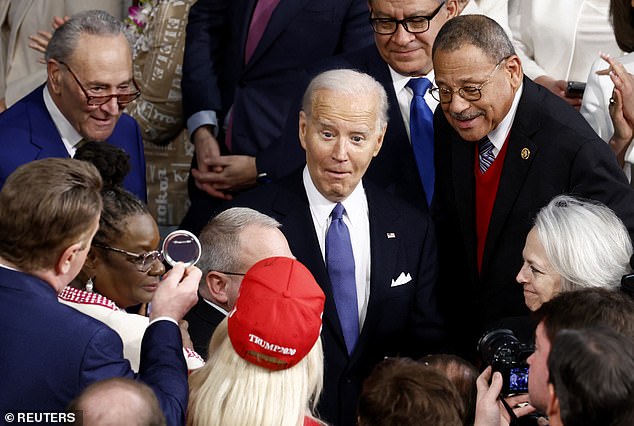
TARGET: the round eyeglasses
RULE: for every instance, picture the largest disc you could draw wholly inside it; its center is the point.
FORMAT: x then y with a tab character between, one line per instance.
468	93
142	261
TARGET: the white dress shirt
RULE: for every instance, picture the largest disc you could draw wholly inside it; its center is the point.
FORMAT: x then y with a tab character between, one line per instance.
500	133
404	95
358	223
70	136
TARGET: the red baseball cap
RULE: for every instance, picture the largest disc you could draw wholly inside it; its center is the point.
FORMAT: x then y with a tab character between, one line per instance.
277	317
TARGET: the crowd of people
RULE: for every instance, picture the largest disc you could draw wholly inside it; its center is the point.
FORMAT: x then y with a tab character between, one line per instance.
375	186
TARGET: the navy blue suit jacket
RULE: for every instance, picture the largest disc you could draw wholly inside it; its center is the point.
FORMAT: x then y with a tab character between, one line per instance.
551	150
203	320
400	320
28	133
51	352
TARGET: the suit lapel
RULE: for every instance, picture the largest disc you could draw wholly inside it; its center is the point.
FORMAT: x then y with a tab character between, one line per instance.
44	135
463	158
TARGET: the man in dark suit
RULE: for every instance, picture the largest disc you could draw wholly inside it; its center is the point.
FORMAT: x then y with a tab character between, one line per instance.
231	242
389	307
90	81
49	213
504	148
243	62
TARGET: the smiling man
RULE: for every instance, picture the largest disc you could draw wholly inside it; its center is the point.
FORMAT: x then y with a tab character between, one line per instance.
373	255
504	148
89	83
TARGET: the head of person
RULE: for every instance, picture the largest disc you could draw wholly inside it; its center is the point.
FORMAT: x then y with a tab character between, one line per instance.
404	31
574	244
265	359
341	126
622	17
49	213
477	74
89	66
123	263
232	242
118	401
596	307
401	391
591	374
462	374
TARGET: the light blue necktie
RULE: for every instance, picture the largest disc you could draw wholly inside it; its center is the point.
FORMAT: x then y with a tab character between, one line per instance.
486	157
340	264
421	129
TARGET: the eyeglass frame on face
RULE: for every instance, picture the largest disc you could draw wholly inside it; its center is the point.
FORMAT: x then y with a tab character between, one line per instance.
436	92
154	255
404	22
97	100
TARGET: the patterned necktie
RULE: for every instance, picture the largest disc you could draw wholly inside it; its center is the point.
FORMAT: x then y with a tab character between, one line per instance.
340	264
261	16
421	126
486	157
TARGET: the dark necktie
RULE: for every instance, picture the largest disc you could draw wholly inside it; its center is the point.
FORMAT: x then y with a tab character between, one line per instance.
486	157
340	264
421	126
261	16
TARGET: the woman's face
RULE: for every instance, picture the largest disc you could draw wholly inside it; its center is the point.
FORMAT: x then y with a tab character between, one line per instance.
541	282
116	274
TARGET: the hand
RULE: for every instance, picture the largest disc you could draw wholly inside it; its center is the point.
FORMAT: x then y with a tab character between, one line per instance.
187	341
177	292
238	172
623	86
558	87
39	42
489	411
208	158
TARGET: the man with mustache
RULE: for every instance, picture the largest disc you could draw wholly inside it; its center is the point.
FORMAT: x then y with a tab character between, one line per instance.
504	148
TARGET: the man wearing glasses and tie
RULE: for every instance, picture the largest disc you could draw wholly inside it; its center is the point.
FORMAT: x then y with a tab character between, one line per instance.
89	83
504	148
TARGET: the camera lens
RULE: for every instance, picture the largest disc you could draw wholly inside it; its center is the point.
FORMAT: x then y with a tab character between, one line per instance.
492	345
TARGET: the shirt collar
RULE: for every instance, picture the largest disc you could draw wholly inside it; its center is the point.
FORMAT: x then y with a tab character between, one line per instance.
70	136
399	80
499	134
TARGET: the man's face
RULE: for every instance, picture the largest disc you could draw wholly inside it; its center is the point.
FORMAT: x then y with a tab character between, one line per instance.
538	370
341	137
103	66
256	243
407	53
471	67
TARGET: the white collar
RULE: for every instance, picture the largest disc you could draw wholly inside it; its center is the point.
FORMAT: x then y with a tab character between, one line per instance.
70	136
499	134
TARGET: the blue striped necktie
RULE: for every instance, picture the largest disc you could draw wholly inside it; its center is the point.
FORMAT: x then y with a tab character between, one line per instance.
421	129
485	149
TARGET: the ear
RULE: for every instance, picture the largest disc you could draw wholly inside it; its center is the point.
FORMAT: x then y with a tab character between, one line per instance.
91	263
553	410
54	74
454	9
514	67
68	258
379	142
217	287
303	122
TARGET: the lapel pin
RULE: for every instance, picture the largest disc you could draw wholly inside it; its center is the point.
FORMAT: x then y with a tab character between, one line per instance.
391	235
525	153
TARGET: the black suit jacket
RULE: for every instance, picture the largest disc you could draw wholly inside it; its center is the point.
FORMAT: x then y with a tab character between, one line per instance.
203	320
400	319
551	151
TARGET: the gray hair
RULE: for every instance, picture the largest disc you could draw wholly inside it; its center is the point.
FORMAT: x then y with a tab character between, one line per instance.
220	238
93	22
477	30
349	83
585	242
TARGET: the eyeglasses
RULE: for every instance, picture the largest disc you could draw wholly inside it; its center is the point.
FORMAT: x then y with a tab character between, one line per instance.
142	261
413	24
232	273
123	99
468	93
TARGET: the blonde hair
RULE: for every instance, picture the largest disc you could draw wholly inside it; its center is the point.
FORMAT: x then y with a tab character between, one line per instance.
229	390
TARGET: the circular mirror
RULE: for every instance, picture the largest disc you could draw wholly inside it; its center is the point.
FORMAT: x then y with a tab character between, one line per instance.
181	246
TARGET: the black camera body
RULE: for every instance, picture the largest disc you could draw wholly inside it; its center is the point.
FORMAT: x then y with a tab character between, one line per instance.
501	349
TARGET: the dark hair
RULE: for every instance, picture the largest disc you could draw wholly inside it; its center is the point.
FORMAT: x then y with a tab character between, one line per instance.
622	16
592	371
588	308
477	30
401	392
118	204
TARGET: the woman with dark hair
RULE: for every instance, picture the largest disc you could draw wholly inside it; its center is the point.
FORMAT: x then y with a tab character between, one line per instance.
123	266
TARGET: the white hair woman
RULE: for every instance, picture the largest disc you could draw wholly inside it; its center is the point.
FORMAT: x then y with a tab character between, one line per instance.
574	244
265	361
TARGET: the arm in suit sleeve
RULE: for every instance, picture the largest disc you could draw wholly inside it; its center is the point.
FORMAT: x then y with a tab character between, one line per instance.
204	43
163	366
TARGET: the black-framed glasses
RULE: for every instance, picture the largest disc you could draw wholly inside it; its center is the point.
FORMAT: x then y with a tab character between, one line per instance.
468	93
123	99
413	24
142	261
232	273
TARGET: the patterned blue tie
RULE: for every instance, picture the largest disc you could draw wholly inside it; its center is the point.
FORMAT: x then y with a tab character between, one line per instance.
421	129
486	157
340	264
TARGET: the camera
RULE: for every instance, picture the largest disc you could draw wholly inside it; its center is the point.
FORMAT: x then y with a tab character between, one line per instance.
506	354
